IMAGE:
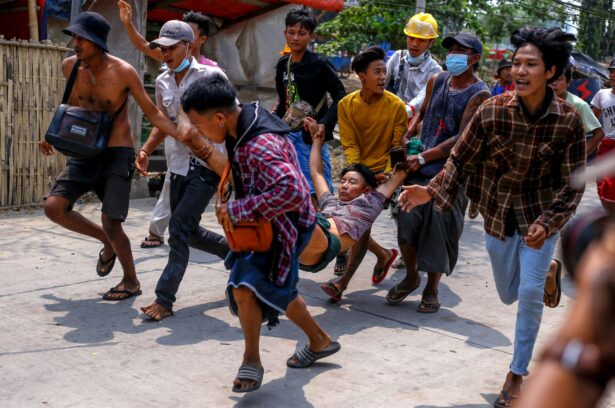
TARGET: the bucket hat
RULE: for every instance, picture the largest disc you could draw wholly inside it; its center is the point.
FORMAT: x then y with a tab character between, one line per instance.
91	26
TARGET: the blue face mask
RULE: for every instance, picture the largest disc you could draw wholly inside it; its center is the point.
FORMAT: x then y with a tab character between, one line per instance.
185	64
415	61
457	64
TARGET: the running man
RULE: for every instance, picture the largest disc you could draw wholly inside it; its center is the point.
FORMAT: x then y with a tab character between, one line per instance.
103	83
515	160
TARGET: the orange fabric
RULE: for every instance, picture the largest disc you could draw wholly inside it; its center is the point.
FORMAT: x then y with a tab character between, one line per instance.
246	236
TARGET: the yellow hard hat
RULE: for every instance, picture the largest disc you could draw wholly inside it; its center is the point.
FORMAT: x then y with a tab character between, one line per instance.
422	25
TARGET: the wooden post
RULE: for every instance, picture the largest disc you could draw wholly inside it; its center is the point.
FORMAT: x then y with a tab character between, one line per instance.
32	20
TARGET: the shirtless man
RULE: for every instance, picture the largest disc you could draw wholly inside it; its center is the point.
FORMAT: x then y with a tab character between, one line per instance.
103	83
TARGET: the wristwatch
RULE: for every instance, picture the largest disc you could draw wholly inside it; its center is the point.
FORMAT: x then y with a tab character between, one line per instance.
421	159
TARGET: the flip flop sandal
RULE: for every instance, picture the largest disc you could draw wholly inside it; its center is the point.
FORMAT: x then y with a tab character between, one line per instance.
151	242
503	399
399	264
103	268
127	294
425	307
552	299
396	295
379	275
341	263
306	357
151	318
249	373
332	291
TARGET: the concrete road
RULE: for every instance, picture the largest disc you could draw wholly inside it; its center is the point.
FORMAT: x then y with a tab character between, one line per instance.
62	346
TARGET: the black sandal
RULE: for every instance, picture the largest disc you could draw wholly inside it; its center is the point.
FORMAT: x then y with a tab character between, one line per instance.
249	373
306	357
341	263
103	268
151	242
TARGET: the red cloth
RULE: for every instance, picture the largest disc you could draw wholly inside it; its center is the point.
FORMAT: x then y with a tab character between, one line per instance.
14	23
606	186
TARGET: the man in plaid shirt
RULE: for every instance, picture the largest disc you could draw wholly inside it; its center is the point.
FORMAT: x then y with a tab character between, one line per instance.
269	184
515	159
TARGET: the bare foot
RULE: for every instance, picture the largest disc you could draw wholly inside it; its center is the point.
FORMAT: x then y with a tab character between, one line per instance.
156	312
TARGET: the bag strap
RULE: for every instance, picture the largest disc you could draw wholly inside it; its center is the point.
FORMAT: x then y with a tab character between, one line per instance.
70	82
288	82
320	104
121	108
222	186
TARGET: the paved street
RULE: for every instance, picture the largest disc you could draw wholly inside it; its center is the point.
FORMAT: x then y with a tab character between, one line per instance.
62	346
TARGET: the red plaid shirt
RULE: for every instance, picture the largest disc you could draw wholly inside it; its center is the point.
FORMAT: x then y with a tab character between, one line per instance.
273	186
508	162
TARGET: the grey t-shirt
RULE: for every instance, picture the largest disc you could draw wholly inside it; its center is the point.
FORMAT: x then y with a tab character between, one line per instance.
353	217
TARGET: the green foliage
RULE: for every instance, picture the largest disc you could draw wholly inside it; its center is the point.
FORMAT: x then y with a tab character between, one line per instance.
377	21
597	28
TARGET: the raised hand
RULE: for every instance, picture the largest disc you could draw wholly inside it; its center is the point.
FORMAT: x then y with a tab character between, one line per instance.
317	131
125	12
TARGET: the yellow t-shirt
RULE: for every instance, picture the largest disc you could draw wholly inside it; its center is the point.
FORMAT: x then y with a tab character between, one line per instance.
368	132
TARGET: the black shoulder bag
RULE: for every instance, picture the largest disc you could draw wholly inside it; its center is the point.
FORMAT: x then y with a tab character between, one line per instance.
77	132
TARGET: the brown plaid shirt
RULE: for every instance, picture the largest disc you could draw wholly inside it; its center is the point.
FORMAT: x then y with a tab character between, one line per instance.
504	161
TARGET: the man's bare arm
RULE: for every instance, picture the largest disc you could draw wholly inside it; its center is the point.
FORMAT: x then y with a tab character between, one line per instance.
135	37
390	185
594	142
316	172
135	86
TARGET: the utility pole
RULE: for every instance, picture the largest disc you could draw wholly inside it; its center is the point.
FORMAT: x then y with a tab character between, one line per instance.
32	20
420	6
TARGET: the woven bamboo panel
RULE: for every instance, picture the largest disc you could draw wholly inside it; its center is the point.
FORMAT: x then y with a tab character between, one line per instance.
31	87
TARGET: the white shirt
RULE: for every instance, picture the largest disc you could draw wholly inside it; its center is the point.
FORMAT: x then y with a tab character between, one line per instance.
168	98
605	101
413	82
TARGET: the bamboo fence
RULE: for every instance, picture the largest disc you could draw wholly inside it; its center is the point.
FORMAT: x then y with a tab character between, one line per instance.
31	87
